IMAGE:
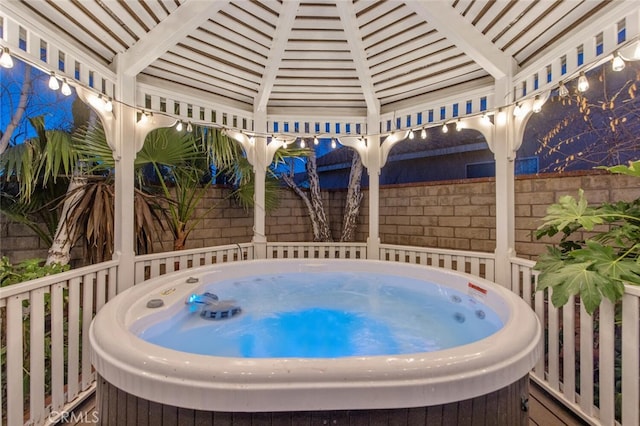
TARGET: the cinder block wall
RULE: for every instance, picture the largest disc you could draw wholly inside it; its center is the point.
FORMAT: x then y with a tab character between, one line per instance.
452	214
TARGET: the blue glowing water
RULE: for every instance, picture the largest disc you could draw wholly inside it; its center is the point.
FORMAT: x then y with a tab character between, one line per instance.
329	315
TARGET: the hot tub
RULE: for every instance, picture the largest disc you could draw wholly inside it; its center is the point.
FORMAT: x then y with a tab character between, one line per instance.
471	378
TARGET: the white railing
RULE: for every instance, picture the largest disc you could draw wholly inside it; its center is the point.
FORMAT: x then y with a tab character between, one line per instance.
316	250
44	363
480	264
152	265
591	363
46	367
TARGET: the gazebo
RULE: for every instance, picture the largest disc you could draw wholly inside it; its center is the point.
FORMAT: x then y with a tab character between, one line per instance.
367	73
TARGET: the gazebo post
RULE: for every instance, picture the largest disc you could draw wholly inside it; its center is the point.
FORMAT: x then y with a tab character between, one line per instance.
374	166
124	156
260	159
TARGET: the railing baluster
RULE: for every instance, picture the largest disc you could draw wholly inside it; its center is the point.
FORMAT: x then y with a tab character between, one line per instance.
73	338
87	316
553	373
586	361
569	351
630	360
15	396
36	355
57	346
606	360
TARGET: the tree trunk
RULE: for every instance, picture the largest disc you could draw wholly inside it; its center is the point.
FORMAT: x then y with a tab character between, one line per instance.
354	197
315	207
66	233
25	92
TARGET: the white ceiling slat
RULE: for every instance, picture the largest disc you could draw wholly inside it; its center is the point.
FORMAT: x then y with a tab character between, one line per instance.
280	38
544	36
421	67
167	34
229	25
494	10
314	55
278	88
455	66
316	35
102	17
317	82
465	36
198	71
225	55
326	64
201	39
143	15
392	30
318	11
437	83
187	82
375	17
317	103
244	20
238	39
509	18
535	14
401	39
91	26
330	73
332	45
319	96
389	21
315	24
210	65
415	49
114	25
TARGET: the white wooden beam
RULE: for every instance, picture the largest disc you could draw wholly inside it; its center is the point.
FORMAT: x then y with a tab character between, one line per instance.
280	39
167	34
464	35
348	17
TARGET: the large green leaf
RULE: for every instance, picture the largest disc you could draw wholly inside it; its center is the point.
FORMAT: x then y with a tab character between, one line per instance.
568	211
573	279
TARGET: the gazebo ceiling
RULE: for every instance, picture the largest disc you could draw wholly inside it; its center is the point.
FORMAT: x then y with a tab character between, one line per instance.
346	56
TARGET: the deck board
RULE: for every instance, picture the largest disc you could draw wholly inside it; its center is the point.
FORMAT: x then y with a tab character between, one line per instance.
544	410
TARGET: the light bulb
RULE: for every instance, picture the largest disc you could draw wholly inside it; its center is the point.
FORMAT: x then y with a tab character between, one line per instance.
143	118
445	129
517	110
179	126
285	145
303	144
108	105
6	61
583	83
411	136
423	133
618	63
333	143
537	104
562	90
459	125
501	118
66	89
486	119
315	140
189	127
54	84
252	139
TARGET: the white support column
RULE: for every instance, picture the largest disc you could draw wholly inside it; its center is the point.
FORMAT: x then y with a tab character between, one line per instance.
259	162
124	155
374	165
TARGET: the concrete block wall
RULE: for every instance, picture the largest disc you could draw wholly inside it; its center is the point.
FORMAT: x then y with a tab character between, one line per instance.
452	214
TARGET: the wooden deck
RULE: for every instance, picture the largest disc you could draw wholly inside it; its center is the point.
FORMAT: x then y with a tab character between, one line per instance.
544	410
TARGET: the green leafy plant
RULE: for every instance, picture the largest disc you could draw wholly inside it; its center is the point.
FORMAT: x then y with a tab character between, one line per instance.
599	250
26	270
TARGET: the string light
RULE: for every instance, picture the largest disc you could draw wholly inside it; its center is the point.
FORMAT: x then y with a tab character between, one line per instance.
562	90
179	126
517	110
303	144
315	140
618	63
445	129
486	119
537	104
54	84
108	105
423	133
252	139
189	127
333	143
144	118
583	83
5	59
411	136
459	126
65	89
